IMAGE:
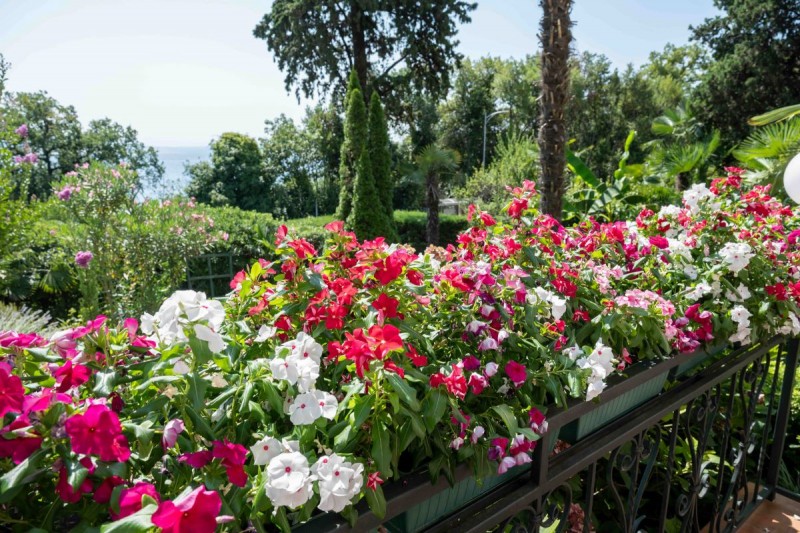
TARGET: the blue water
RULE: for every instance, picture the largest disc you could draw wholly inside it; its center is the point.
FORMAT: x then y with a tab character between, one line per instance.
174	158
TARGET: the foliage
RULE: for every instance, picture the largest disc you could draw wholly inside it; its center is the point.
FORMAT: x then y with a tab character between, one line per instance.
233	177
754	45
292	166
433	166
316	43
368	219
375	361
412	227
13	318
516	160
767	151
356	125
325	129
380	154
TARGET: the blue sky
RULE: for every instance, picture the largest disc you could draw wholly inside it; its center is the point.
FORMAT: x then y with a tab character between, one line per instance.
183	71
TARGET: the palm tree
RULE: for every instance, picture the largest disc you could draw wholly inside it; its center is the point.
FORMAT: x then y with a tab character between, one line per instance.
767	151
433	164
682	151
555	37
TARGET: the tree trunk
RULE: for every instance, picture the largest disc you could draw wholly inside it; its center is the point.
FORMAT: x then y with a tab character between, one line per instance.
555	38
681	182
432	230
360	62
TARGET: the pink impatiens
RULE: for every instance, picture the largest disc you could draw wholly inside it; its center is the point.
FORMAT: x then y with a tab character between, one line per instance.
98	432
194	513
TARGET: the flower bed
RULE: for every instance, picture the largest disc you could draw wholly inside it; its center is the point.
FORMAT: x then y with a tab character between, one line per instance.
328	372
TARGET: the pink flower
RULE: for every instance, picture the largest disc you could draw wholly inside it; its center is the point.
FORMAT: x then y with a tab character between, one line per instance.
516	372
130	500
194	513
538	423
98	432
69	376
11	391
102	494
233	457
477	383
455	383
172	429
196	459
83	258
22	131
65	490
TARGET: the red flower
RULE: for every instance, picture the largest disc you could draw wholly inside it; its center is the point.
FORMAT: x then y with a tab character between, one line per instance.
778	291
537	421
516	372
194	513
196	459
233	457
373	480
280	234
20	448
130	500
69	376
302	248
580	315
98	432
65	490
567	288
517	207
238	279
415	277
389	269
11	391
386	306
659	242
455	383
334	316
336	226
102	493
487	219
416	358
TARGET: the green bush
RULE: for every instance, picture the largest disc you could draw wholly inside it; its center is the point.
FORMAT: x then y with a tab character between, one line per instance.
26	320
411	227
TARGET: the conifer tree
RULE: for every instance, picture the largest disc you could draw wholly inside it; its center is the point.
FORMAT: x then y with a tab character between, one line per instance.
355	137
367	218
381	158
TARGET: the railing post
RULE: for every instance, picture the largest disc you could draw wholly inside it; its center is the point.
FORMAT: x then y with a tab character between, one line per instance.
782	418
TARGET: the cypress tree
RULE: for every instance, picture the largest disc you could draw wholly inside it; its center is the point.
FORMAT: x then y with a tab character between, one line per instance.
367	218
381	159
355	137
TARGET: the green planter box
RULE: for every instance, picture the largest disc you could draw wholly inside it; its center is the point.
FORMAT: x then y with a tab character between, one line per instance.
696	360
448	501
611	410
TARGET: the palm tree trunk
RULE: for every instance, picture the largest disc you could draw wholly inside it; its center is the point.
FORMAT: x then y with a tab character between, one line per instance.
555	38
432	185
681	182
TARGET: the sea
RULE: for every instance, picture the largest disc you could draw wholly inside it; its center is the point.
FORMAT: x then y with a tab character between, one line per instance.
174	159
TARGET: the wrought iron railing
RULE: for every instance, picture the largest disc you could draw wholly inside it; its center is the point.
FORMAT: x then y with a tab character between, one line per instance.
700	456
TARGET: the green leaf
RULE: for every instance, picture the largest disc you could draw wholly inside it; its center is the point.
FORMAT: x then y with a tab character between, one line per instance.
381	451
197	390
20	474
433	408
577	166
508	417
775	115
202	354
139	522
350	514
280	519
376	501
104	382
273	396
404	390
362	410
341	441
200	424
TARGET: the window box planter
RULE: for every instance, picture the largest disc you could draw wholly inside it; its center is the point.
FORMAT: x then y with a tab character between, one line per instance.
450	500
696	359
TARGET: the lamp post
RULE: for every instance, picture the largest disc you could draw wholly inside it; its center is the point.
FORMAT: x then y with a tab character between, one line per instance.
486	119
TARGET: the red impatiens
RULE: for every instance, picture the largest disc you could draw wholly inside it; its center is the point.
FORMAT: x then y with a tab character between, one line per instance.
194	513
455	383
98	432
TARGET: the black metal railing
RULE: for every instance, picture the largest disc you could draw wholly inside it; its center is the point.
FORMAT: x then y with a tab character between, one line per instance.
701	455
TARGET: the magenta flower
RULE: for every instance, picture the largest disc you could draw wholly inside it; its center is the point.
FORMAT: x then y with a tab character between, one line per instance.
22	131
516	372
172	429
82	259
98	432
194	513
11	391
130	500
65	193
233	457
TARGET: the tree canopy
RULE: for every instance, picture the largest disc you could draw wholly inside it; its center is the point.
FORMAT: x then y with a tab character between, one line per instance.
316	43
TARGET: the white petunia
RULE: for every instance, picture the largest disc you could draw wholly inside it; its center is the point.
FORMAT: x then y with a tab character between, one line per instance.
737	255
214	340
288	480
559	307
741	315
265	450
339	482
573	352
691	272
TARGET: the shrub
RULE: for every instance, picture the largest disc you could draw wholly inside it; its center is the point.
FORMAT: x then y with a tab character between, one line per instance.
13	318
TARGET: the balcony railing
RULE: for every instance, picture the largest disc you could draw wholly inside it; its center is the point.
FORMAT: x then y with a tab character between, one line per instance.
699	456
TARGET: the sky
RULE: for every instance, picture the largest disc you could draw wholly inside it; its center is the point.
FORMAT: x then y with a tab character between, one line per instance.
182	72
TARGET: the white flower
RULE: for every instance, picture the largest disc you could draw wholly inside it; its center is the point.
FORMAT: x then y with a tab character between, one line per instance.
573	352
288	480
736	255
265	333
741	294
559	307
181	309
477	433
214	340
218	381
457	443
180	367
304	347
600	362
690	271
491	369
476	326
305	409
699	290
327	402
679	250
505	464
307	373
696	194
596	386
741	316
669	210
488	344
265	450
339	482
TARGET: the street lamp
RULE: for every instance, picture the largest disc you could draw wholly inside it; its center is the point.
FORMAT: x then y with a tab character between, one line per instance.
486	119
